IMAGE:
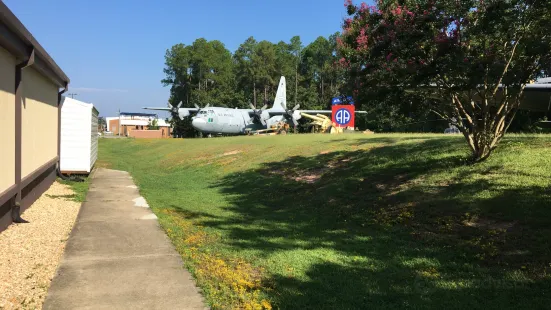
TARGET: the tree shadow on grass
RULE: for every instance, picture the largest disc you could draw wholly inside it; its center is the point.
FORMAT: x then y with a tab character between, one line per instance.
334	286
401	231
378	140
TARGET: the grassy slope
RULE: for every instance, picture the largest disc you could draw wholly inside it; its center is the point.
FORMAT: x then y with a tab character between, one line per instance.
397	221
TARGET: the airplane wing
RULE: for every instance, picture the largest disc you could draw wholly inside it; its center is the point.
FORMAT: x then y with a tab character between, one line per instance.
326	111
158	109
182	112
273	113
169	109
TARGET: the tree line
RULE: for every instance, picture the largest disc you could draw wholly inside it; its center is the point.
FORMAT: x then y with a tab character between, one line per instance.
207	72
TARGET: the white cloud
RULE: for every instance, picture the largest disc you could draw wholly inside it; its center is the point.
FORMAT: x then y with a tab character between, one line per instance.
98	90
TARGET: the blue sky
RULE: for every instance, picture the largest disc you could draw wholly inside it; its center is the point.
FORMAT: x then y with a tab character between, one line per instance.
113	50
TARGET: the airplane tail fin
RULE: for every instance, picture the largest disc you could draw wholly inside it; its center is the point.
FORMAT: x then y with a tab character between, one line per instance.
280	102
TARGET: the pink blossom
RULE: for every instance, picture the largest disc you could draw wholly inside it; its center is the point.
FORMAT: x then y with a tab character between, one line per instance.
344	63
388	56
362	39
410	13
346	30
465	59
347	3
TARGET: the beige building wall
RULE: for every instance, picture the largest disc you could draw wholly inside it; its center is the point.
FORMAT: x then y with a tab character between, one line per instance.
7	120
39	115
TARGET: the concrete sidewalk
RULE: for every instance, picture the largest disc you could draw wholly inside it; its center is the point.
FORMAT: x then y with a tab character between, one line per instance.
117	256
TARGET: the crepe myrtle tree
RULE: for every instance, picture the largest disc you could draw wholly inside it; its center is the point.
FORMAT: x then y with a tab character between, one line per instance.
472	58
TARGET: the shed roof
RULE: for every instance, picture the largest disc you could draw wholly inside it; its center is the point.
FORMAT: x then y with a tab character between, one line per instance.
15	38
78	102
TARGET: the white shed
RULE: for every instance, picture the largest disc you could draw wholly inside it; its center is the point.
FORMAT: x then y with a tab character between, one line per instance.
79	136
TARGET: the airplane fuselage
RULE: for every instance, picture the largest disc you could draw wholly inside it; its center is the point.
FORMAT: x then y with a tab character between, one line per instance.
226	121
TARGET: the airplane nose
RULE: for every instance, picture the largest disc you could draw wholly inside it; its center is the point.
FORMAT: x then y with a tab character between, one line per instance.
198	123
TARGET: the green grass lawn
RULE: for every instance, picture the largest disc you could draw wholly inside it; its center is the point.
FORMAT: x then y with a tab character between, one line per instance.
352	221
80	188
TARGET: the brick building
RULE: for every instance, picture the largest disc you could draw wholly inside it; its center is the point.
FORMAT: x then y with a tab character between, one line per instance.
137	125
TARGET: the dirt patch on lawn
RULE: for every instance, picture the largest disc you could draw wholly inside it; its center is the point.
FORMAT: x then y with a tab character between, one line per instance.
309	175
309	178
489	224
232	153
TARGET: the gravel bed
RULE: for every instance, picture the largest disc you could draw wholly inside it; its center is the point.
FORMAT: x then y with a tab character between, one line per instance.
31	252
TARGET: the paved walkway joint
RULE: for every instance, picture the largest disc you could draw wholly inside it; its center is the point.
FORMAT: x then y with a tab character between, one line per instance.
117	256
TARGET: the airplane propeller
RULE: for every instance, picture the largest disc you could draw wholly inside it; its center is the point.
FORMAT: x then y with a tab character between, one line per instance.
290	115
199	108
257	117
175	109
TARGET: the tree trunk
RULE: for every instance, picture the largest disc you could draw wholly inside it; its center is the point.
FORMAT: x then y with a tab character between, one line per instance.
483	127
254	94
322	90
296	83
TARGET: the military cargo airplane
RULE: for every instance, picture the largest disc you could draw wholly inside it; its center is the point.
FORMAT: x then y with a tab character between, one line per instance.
219	120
